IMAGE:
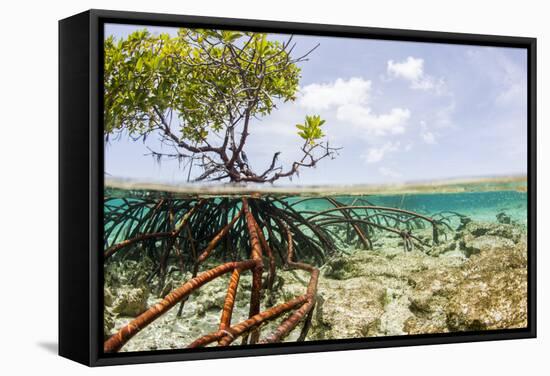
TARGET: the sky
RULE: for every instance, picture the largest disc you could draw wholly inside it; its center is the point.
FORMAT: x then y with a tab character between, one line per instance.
400	111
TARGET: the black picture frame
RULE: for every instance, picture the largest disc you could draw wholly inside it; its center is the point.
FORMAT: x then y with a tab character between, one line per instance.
81	185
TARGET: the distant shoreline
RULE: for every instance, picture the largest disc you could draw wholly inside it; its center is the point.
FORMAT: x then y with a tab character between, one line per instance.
517	183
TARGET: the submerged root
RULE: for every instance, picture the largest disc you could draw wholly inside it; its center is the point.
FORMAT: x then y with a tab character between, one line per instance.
241	233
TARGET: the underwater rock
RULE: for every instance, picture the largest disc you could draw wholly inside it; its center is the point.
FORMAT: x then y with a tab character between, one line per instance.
432	321
443	248
379	264
503	218
396	310
507	231
498	259
130	301
345	266
128	272
349	309
491	301
108	297
488	292
477	237
108	322
438	281
340	268
210	297
368	293
485	242
428	298
493	294
464	220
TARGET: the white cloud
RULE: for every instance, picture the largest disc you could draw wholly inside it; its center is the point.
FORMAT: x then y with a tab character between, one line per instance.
338	93
374	155
388	172
412	70
392	122
350	99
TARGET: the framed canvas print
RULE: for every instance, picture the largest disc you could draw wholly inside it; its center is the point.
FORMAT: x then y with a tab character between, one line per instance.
239	187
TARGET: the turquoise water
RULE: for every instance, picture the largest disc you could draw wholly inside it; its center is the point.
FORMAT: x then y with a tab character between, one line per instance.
480	202
479	206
